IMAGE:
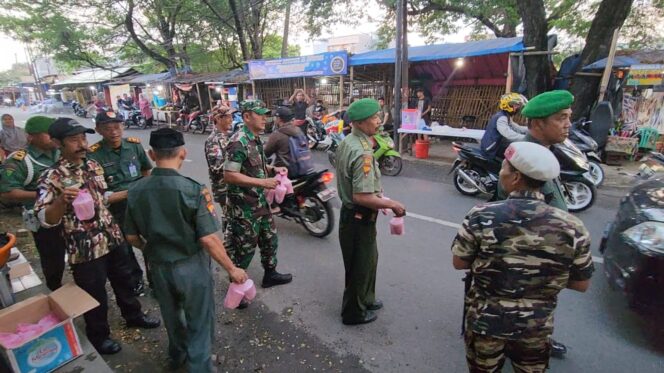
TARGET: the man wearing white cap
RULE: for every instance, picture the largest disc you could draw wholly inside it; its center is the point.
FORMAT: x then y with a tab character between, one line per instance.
521	253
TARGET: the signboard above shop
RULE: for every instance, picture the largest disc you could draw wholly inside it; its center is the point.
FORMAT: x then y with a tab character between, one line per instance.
324	64
645	75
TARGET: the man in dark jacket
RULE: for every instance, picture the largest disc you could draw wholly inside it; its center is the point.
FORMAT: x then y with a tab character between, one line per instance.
277	143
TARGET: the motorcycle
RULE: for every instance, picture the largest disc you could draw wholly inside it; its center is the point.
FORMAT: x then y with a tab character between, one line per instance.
474	173
135	118
237	122
581	138
309	204
389	160
198	122
79	110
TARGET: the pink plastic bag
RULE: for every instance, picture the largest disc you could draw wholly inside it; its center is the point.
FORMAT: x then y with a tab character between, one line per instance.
84	205
25	332
285	181
397	226
237	292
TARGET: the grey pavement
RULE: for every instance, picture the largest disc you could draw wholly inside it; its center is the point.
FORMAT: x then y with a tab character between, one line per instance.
418	330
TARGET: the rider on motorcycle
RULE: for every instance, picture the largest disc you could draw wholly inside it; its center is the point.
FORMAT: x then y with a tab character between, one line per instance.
502	130
277	143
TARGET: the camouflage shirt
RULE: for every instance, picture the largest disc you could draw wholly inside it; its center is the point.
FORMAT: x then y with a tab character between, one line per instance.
523	253
86	240
245	155
215	153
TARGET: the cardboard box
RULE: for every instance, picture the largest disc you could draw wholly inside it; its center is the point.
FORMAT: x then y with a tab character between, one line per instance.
54	347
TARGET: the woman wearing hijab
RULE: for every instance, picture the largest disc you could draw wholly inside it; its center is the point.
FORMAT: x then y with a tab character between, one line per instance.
12	138
146	110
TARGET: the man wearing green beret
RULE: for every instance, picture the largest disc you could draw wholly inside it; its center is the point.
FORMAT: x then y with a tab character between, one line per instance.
18	183
358	181
549	115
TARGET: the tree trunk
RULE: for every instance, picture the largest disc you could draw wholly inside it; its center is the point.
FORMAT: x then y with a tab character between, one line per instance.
239	28
610	16
129	25
284	42
535	29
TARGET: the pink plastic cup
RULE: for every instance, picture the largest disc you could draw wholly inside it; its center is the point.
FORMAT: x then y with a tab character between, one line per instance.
237	292
84	205
397	226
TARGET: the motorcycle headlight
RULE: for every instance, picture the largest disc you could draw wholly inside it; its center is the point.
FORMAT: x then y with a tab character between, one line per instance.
648	237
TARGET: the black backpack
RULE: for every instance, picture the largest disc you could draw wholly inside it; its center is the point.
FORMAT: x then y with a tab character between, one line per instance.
301	161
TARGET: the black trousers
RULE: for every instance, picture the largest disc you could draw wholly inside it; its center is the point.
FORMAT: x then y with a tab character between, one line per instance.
118	211
51	247
91	276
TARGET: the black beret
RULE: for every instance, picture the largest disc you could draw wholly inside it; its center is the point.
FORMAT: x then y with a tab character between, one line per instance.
166	138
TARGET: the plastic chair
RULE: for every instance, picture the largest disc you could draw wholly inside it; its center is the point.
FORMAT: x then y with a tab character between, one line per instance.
649	137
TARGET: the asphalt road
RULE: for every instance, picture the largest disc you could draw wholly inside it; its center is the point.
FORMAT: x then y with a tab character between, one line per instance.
418	330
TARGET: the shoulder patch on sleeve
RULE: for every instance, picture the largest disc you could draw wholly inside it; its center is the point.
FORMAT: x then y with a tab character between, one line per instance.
18	155
209	204
95	147
134	140
367	163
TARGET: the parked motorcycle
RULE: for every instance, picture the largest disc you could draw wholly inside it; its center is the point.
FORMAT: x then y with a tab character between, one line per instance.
79	110
581	138
474	173
135	118
633	244
198	122
389	160
309	204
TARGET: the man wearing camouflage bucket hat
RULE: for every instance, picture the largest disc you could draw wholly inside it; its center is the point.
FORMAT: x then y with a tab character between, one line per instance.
18	183
520	252
360	192
249	219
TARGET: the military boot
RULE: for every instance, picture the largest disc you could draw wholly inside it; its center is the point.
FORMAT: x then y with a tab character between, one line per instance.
273	278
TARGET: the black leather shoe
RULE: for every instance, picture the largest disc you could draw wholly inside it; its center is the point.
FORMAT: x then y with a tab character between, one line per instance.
273	278
369	317
108	347
243	304
375	306
144	322
558	350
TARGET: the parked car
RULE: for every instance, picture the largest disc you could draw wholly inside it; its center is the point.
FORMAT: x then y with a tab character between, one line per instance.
633	244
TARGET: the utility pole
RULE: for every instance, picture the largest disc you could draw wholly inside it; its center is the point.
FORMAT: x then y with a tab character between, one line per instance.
397	74
404	57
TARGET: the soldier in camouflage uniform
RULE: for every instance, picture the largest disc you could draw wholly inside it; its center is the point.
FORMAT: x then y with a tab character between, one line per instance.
215	153
249	220
521	253
124	161
18	183
93	244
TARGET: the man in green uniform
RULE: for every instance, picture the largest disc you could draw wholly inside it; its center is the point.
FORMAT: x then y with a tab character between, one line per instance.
94	243
124	161
360	192
250	221
18	183
548	116
172	219
521	253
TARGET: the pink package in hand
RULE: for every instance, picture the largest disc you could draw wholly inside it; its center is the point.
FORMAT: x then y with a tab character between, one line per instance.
237	292
269	195
397	226
84	205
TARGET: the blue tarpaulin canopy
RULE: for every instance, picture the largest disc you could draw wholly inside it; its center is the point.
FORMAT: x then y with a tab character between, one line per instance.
441	51
618	61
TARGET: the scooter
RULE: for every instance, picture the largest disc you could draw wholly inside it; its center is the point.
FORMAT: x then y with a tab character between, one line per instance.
309	204
79	110
198	122
389	160
581	138
135	118
474	173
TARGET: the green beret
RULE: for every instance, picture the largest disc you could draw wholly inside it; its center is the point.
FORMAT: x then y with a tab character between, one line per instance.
547	103
363	109
38	124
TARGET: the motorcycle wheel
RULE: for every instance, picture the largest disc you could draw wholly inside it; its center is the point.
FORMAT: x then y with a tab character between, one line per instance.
332	157
141	123
324	214
462	186
580	195
391	165
596	173
312	138
198	128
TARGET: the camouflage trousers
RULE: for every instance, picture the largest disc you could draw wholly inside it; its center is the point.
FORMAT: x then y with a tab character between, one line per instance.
243	235
487	354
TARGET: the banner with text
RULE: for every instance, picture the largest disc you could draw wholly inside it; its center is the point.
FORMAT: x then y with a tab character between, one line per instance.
324	64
